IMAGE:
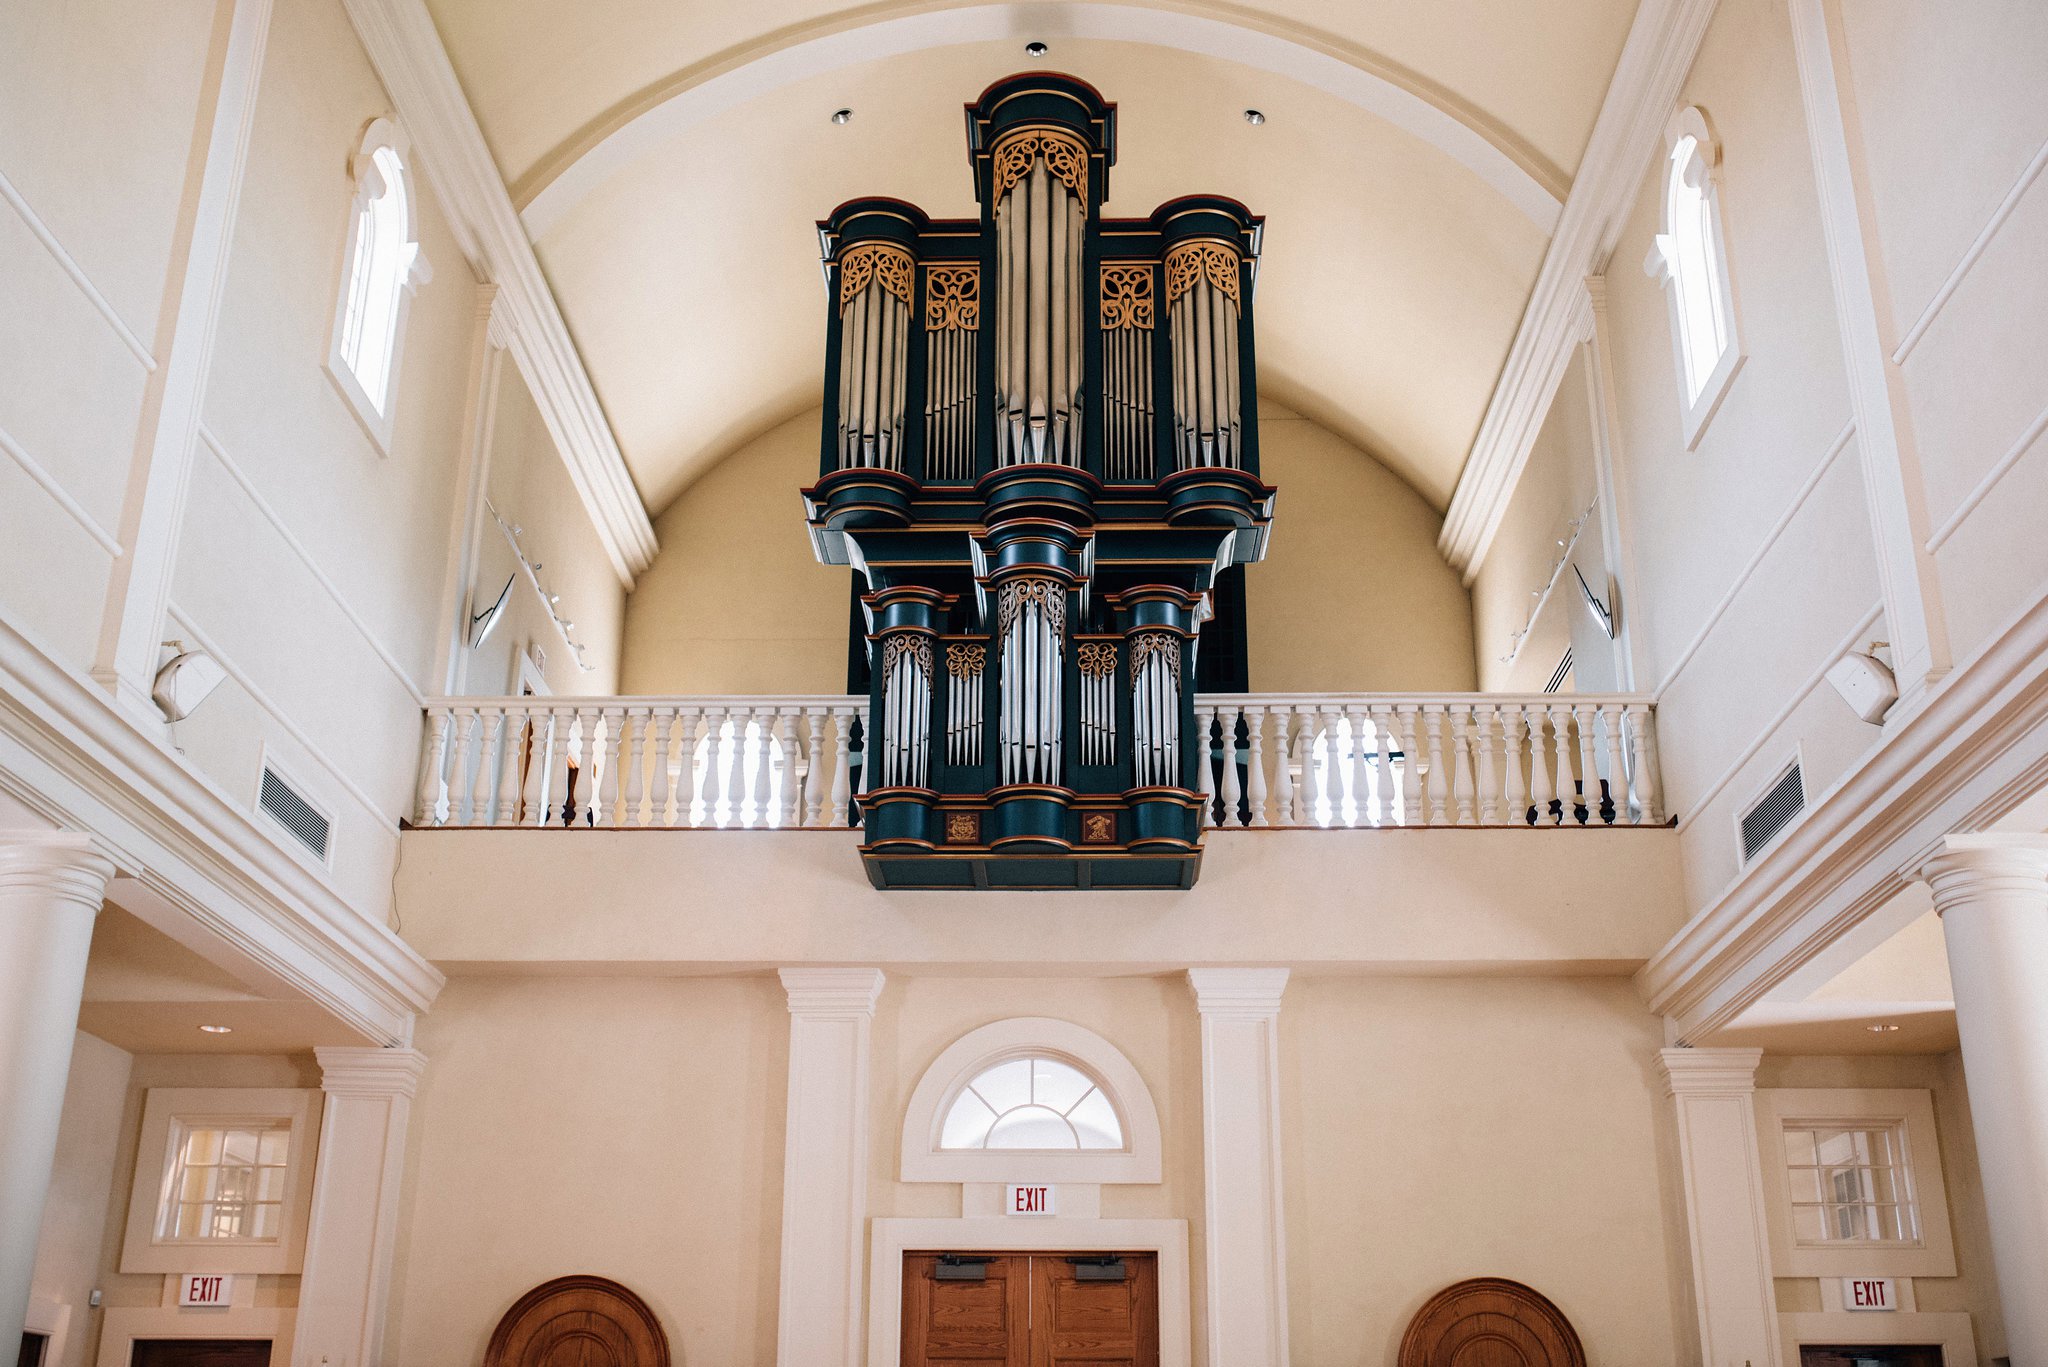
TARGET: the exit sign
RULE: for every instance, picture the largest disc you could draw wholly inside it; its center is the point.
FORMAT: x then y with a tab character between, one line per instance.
1028	1200
1869	1293
205	1288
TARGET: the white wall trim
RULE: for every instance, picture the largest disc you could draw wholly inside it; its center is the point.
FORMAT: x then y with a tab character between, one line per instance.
61	496
1764	548
69	265
1662	43
122	1327
1949	1328
406	51
1165	1239
1998	471
1971	255
271	515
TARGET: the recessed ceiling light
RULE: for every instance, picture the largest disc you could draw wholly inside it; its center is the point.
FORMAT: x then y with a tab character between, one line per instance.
1881	1028
218	1029
1035	49
842	116
1254	117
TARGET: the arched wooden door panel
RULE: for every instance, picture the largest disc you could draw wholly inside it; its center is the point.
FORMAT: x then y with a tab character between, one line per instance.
578	1322
1490	1322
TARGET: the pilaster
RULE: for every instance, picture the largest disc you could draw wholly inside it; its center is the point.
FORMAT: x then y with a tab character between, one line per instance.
825	1166
1713	1092
349	1244
1246	1231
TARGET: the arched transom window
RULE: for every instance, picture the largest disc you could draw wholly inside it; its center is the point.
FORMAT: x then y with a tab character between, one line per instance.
1035	1102
382	266
1690	256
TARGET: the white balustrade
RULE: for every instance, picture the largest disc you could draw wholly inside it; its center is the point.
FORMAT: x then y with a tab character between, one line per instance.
1271	760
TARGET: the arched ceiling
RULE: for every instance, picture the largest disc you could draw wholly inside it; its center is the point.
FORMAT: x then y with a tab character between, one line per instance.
672	160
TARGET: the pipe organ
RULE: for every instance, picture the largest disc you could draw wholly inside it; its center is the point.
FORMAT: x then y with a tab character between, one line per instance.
1040	450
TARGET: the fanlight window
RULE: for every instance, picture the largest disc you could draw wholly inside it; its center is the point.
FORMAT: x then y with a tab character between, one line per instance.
1034	1102
382	260
1692	250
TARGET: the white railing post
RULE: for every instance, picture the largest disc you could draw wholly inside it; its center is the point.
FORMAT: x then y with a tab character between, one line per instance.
1361	769
512	747
1283	766
1589	764
540	744
1514	727
842	761
490	723
636	766
1205	772
1561	732
1301	757
657	803
1330	776
1643	741
792	791
1617	769
1231	790
1255	763
1439	778
433	759
1461	748
1486	726
1386	811
1414	762
608	803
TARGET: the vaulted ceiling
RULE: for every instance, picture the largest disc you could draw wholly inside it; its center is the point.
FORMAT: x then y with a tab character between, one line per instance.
670	160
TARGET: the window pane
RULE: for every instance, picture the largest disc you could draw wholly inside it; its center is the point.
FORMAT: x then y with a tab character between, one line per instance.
1807	1225
267	1220
966	1124
1799	1148
1804	1184
275	1148
1031	1127
202	1146
1094	1120
1057	1084
1006	1085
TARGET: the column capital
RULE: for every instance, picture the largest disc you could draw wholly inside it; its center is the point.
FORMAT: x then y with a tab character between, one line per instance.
1238	991
1709	1072
832	991
369	1071
59	864
1969	867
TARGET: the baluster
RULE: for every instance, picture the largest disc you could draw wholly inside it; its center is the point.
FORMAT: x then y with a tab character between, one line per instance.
1589	766
1414	763
842	760
1255	764
1439	778
634	781
868	754
1648	781
792	794
1461	750
540	747
1231	790
1513	727
606	811
1205	725
583	805
813	789
1283	766
1360	769
662	719
738	816
427	811
1542	787
714	766
1330	774
686	766
1304	758
1385	811
1617	770
1561	733
518	730
760	817
490	726
461	721
1485	740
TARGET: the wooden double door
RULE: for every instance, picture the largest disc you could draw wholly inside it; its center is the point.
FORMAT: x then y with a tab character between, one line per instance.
1030	1310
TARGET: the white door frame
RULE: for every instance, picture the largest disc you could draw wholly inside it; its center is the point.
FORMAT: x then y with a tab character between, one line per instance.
1167	1240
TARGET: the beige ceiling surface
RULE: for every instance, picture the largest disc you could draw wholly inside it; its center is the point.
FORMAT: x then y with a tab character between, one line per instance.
1392	282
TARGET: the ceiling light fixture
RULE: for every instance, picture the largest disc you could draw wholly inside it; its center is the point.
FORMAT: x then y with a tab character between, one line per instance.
1254	117
842	116
1881	1028
218	1029
1036	49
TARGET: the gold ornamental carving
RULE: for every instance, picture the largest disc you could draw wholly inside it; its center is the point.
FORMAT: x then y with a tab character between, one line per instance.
966	661
1066	156
885	263
1049	595
952	298
917	647
1191	261
1126	297
1096	658
1150	644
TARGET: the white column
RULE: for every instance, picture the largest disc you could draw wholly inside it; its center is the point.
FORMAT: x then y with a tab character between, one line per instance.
1247	1237
1992	894
1713	1092
138	589
1893	484
825	1166
347	1275
50	891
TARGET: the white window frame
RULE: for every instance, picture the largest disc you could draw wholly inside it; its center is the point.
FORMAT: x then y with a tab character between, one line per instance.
963	1061
1911	1111
166	1112
1702	171
382	135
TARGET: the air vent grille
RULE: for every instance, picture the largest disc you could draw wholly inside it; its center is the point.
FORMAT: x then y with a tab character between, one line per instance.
1773	812
282	804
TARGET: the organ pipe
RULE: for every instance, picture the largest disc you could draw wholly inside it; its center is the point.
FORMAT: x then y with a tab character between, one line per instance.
1097	660
1155	709
1202	293
1127	319
964	664
906	710
1031	624
874	345
1041	182
952	323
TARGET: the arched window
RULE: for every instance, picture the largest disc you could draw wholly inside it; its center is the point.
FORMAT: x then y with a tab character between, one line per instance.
1033	1102
381	268
1691	257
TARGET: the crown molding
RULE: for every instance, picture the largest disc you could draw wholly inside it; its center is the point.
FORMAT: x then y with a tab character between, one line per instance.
1648	79
70	754
1709	1072
832	992
1240	992
1973	750
406	51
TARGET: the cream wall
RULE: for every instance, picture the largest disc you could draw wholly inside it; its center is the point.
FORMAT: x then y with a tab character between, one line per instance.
628	1127
75	1213
1352	597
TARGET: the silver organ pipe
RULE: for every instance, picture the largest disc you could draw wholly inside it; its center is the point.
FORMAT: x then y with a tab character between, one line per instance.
1155	709
1127	319
964	665
1097	660
1041	188
952	322
906	711
874	345
1031	623
1202	300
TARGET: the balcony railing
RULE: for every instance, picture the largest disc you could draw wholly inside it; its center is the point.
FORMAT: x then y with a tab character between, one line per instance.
1275	760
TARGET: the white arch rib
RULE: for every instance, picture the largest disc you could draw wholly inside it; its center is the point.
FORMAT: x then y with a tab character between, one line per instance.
1320	67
